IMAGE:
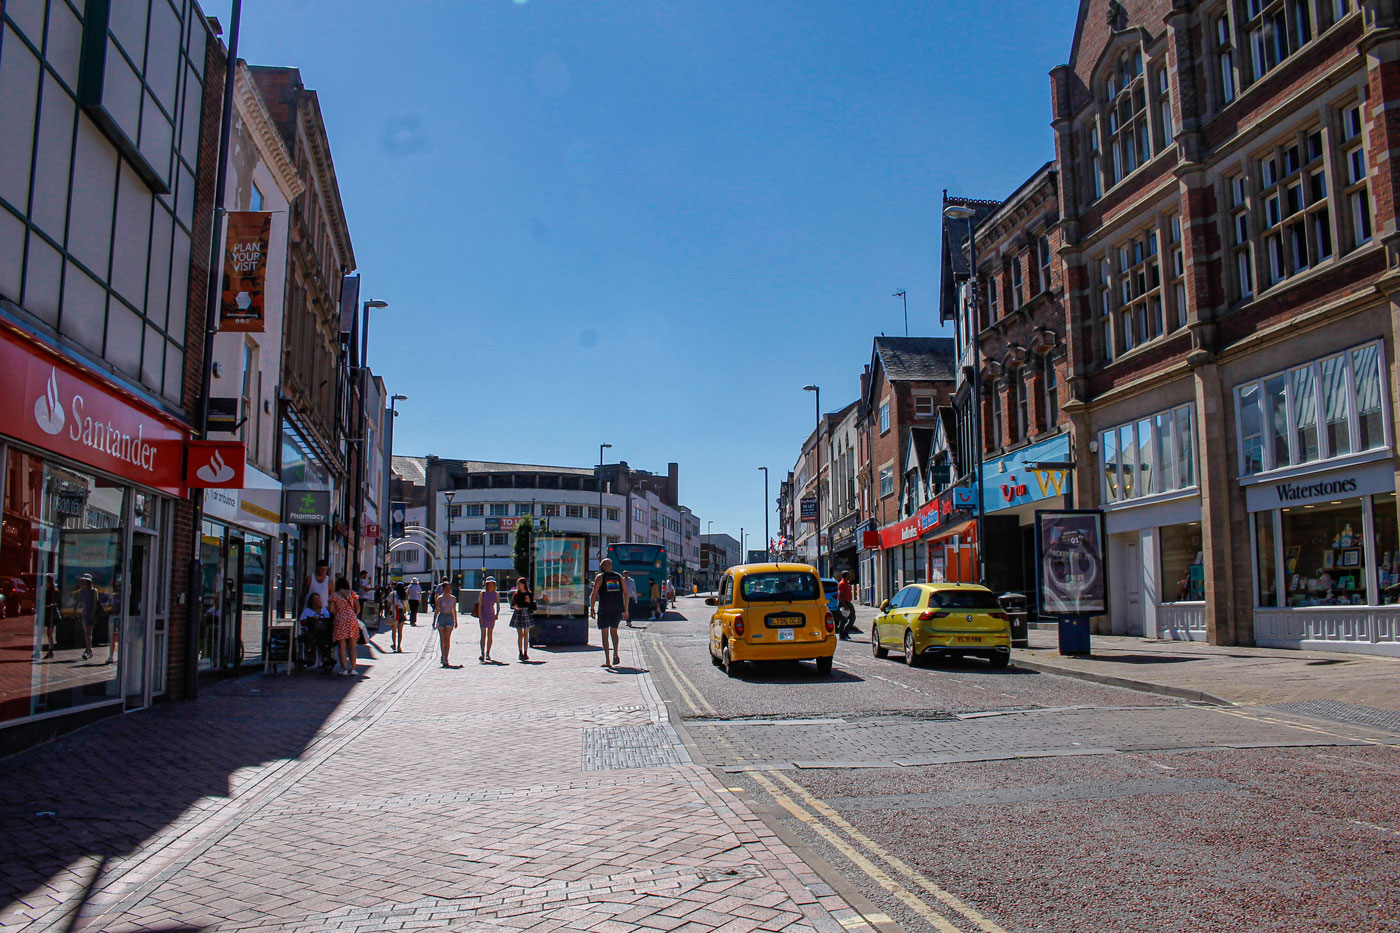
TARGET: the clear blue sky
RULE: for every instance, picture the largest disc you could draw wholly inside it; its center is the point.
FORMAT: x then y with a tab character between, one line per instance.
650	223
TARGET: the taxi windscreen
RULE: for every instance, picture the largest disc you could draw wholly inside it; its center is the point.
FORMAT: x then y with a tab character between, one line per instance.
964	599
780	586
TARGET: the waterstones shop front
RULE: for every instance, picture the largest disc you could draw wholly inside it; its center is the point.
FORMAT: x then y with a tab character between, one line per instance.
92	473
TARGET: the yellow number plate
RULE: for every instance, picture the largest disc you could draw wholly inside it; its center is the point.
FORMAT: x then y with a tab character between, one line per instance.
967	639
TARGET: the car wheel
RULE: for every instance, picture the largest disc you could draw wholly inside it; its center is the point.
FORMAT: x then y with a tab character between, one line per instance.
824	666
911	657
715	659
1000	660
731	666
877	649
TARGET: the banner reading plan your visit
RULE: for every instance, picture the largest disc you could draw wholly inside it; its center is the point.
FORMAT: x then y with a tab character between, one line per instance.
245	272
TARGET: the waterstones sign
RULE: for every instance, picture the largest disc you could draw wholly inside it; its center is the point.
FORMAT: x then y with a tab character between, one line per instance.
1349	483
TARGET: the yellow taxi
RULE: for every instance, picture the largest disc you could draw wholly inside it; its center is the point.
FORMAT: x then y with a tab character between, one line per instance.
771	612
943	619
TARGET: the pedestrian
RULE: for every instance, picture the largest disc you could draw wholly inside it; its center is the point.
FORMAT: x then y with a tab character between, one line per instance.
415	596
52	617
522	604
393	609
314	624
488	608
87	611
347	625
631	586
657	608
670	593
844	606
445	618
319	583
608	601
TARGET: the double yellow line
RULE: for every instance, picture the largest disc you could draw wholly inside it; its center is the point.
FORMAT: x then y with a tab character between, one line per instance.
879	865
690	694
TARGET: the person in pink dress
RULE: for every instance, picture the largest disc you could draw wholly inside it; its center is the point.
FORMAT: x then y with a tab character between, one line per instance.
488	610
346	628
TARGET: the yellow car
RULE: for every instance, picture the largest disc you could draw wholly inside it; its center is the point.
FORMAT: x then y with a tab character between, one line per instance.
943	619
771	612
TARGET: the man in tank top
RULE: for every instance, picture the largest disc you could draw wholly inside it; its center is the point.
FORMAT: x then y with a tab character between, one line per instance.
609	597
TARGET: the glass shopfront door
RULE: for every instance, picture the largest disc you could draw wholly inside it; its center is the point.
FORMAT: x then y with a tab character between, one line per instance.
135	635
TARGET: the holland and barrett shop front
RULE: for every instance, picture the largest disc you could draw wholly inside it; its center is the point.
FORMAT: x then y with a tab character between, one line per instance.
91	476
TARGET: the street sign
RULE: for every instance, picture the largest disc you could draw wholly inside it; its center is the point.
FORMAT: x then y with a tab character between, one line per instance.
223	414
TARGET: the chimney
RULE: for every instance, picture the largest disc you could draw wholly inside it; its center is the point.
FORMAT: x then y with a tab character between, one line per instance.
865	382
673	484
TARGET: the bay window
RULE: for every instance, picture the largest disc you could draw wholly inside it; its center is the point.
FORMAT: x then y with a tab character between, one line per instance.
1153	455
1327	408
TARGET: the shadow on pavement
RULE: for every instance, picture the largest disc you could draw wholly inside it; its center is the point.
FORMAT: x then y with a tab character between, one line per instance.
786	672
1140	658
630	670
100	792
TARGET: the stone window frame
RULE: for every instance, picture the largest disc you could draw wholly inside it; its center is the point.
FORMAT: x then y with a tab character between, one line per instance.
1242	33
1140	314
1017	281
1049	391
1178	312
1021	395
1172	432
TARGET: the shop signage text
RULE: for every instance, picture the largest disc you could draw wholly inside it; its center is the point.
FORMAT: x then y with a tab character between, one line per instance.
501	524
1011	481
308	506
949	501
1368	479
809	509
73	414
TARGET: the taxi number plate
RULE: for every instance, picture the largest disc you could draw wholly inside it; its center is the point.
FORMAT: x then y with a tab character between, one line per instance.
967	639
786	634
786	621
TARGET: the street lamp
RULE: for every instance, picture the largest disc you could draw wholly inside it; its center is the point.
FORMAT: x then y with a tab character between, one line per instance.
964	212
767	547
384	496
602	541
362	389
818	391
449	496
899	293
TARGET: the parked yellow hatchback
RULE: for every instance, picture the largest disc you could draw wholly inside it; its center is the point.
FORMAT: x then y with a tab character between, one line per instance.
771	612
943	619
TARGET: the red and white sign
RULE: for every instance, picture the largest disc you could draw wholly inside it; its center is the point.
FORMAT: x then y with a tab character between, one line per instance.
215	465
66	410
372	531
905	532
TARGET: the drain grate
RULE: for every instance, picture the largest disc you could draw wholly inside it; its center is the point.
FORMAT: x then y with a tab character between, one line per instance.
612	748
1385	719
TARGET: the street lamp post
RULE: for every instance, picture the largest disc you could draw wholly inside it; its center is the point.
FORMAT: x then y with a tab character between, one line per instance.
602	541
362	386
767	546
449	496
900	294
818	442
964	212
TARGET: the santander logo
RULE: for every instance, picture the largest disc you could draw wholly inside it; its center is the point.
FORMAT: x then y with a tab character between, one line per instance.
48	411
215	471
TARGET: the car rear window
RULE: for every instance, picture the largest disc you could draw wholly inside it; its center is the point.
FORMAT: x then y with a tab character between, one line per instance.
828	587
779	586
964	599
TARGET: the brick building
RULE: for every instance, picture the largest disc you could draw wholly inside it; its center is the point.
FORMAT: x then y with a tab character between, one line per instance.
1228	231
907	380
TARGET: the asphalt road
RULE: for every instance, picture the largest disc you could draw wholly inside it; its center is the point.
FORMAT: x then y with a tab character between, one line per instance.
961	798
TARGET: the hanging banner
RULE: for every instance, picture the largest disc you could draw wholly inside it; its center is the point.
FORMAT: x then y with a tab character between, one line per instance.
809	509
245	272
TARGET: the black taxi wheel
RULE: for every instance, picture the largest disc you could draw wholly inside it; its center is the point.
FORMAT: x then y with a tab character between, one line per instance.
877	649
824	666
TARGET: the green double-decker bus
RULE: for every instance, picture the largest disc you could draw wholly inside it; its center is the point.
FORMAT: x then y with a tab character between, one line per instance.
643	563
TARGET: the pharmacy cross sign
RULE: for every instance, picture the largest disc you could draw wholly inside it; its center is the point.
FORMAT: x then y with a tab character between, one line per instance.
308	506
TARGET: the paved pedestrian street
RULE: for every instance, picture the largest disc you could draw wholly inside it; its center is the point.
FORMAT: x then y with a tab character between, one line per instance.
959	798
547	796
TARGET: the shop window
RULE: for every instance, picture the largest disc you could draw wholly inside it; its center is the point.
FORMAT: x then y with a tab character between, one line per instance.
1387	545
1183	563
61	575
1154	455
1328	408
1266	560
1324	554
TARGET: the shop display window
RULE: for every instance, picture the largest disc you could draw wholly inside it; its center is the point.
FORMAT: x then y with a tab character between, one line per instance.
1266	569
1183	564
211	557
1384	520
61	576
1324	554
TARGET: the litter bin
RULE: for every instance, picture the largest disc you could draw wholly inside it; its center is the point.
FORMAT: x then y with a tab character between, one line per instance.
1014	605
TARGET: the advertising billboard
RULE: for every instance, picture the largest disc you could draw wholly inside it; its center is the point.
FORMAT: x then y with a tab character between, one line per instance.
560	565
1071	569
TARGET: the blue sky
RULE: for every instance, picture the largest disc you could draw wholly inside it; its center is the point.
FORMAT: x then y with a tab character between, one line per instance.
652	223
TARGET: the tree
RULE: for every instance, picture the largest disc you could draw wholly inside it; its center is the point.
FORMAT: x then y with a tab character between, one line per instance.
524	532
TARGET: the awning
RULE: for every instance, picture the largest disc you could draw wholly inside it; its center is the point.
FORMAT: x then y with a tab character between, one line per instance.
960	528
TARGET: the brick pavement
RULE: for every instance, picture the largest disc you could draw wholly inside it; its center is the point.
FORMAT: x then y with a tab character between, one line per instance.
553	796
1263	676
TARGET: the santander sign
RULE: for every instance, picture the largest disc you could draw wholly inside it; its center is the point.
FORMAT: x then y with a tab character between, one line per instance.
74	414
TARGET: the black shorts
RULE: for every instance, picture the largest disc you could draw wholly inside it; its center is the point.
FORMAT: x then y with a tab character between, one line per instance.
609	619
